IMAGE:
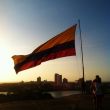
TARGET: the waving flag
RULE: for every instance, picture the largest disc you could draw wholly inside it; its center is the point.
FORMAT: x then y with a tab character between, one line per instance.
61	45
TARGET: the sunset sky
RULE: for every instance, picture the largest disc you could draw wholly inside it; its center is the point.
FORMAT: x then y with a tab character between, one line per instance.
26	24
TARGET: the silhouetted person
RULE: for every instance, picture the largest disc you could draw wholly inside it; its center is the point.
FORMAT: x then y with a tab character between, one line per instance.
97	92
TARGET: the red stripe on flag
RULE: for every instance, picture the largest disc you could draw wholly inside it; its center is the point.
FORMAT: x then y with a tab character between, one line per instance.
63	53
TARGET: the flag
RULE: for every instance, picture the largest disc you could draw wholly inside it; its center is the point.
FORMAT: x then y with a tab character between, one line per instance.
61	45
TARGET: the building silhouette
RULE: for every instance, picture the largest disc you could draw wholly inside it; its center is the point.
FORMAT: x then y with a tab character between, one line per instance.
39	79
65	81
58	79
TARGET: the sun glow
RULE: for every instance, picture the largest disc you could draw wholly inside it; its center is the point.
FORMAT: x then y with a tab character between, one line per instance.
5	63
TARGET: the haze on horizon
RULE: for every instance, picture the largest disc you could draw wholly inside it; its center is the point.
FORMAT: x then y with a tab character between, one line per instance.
26	24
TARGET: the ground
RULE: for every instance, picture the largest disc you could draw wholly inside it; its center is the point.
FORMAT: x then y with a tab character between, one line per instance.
73	102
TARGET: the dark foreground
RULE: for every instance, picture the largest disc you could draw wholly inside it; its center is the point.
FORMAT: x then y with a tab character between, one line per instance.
73	102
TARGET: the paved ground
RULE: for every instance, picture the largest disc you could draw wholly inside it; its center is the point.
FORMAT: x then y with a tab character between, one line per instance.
74	102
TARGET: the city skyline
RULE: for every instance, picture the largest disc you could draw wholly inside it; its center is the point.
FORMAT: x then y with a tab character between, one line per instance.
26	24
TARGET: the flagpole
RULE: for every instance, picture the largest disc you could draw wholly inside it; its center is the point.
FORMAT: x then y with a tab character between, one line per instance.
81	51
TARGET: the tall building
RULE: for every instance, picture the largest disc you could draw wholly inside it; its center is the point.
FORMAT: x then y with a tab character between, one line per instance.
58	79
65	83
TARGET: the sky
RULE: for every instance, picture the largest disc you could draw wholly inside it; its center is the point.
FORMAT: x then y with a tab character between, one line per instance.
26	24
